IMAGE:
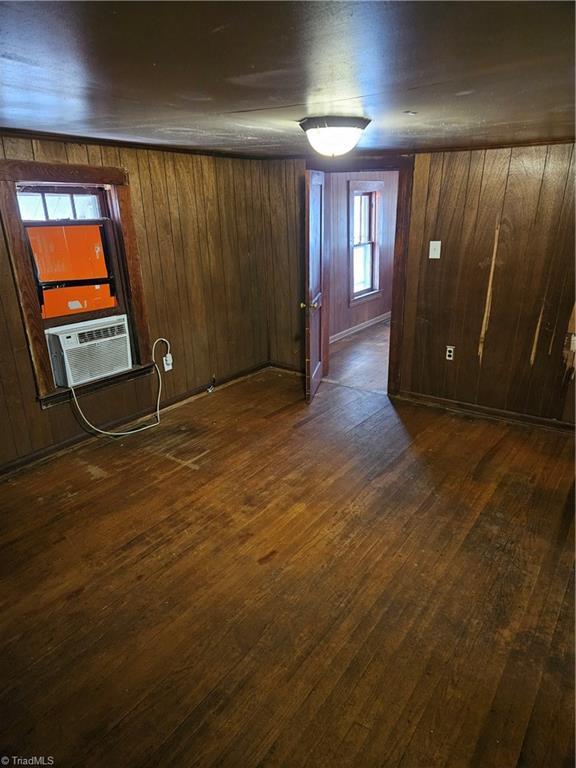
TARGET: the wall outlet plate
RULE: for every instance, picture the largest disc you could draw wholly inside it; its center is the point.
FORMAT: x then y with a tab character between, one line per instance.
449	353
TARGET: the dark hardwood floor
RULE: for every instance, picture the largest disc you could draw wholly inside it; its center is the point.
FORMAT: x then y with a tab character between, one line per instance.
361	360
262	583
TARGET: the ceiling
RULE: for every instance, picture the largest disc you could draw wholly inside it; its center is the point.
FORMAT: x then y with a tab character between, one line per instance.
236	77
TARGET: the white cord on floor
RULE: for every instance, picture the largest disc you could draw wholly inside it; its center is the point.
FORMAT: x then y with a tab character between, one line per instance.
136	429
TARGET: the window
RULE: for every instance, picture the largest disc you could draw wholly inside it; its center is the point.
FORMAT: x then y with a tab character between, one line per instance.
72	247
72	272
364	249
71	250
41	205
363	243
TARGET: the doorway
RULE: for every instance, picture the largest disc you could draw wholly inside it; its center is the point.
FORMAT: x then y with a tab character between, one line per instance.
355	259
360	225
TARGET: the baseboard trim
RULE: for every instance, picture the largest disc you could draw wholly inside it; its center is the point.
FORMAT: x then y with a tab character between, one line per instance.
410	397
37	457
482	411
285	367
355	329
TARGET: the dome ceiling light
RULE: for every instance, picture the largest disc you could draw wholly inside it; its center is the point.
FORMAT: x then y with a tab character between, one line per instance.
333	136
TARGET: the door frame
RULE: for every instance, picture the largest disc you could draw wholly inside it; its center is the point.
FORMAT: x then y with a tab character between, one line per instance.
404	164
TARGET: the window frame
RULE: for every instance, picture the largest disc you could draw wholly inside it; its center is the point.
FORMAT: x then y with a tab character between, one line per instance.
374	189
116	275
44	188
121	240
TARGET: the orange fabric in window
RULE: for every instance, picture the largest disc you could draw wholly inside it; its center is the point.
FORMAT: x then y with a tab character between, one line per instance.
68	252
59	302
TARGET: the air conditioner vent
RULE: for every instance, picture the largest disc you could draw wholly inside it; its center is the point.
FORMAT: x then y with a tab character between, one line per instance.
96	349
97	360
101	333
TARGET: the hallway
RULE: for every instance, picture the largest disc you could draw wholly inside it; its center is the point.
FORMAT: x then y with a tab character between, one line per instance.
361	360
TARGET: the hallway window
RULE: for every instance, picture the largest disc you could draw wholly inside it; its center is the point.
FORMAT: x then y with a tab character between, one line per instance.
364	266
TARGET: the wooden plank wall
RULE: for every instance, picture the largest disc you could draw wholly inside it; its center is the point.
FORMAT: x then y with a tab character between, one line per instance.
503	290
342	315
219	242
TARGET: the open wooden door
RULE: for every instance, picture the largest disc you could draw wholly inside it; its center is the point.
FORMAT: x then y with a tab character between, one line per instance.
313	280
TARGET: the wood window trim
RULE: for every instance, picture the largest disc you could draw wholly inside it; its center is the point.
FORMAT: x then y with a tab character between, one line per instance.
32	172
362	298
62	394
376	188
115	181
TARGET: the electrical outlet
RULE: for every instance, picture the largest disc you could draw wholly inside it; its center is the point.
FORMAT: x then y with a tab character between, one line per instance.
449	353
167	360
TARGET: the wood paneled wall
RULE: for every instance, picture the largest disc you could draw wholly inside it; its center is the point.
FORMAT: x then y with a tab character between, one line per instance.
503	290
343	315
219	242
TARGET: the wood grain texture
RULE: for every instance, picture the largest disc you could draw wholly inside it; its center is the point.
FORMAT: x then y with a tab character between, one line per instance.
203	224
343	314
25	283
259	68
15	170
361	359
406	172
420	178
502	291
219	246
285	268
341	584
519	208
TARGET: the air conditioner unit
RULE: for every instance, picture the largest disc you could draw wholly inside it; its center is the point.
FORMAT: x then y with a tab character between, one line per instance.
82	352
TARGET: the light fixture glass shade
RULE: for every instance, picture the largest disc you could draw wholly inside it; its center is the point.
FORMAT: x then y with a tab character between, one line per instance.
333	136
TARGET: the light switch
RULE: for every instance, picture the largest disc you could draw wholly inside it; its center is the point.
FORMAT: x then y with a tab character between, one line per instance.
434	252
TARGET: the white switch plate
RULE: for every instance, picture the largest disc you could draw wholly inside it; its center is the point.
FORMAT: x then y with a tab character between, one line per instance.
434	252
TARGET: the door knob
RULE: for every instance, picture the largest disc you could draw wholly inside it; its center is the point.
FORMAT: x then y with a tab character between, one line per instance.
314	305
302	305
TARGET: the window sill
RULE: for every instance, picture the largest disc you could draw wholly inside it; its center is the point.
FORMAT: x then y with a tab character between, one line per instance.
62	394
371	296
